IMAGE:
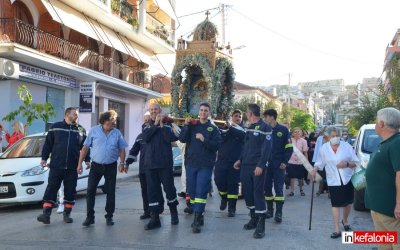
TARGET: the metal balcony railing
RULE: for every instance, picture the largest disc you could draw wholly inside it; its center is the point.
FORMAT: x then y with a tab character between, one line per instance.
16	31
158	29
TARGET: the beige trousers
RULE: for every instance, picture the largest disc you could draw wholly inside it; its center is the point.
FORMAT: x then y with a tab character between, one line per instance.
385	223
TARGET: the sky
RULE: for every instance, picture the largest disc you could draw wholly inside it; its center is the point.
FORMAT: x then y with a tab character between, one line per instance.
310	39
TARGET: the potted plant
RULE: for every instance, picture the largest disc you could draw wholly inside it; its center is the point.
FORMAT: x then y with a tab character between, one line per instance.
126	10
115	6
134	22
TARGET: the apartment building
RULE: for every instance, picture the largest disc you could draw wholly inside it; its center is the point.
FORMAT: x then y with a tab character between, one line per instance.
93	54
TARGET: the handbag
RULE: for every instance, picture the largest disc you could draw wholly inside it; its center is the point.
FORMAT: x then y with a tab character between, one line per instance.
358	179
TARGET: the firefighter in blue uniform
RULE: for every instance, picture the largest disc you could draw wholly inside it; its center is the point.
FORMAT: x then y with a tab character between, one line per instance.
139	147
158	163
63	142
278	162
202	143
253	164
226	177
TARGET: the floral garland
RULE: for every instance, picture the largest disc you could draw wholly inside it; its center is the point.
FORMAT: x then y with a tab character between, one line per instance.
186	62
220	88
224	78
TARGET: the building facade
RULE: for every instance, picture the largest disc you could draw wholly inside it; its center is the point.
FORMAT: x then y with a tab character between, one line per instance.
322	86
254	93
93	54
391	58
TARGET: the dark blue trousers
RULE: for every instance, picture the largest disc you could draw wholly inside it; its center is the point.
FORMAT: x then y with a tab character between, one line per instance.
198	186
154	179
56	177
227	180
275	177
253	188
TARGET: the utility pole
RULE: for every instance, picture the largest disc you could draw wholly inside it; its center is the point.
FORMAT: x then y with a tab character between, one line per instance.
358	95
289	120
223	15
289	92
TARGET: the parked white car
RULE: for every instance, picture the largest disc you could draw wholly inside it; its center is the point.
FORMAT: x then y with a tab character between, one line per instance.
366	143
22	179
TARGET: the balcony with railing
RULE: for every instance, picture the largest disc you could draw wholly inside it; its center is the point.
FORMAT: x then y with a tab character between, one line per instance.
158	29
126	11
17	31
130	14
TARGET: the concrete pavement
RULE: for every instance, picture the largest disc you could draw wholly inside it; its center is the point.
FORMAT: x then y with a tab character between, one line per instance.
20	230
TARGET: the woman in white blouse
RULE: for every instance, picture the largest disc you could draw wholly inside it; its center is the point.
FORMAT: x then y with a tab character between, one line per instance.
339	160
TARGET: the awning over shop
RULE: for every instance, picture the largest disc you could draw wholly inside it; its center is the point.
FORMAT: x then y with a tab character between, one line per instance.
73	19
166	7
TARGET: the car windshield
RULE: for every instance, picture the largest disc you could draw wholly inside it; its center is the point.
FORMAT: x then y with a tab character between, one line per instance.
370	141
25	148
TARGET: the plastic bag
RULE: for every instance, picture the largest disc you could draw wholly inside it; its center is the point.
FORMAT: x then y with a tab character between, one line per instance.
358	179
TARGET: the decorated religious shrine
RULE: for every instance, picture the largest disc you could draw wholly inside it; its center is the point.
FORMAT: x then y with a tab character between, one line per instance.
203	72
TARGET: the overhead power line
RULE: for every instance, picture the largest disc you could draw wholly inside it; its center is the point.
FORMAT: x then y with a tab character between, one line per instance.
298	42
198	12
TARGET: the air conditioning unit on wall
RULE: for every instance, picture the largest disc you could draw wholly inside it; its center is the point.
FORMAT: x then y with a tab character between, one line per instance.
8	69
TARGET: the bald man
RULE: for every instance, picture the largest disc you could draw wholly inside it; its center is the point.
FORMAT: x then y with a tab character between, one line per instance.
140	147
158	163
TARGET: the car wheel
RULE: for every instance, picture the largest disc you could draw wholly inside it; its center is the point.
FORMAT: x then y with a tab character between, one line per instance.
359	204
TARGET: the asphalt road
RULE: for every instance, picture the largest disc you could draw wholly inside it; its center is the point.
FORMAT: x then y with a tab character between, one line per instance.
20	230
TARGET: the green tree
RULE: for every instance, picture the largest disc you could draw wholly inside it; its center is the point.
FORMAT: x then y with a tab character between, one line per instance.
270	105
366	113
302	120
29	110
286	115
163	103
242	104
393	91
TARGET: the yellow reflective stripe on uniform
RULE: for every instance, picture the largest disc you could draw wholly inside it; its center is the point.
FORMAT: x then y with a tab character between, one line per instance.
191	201
269	198
199	200
289	145
279	198
223	193
233	196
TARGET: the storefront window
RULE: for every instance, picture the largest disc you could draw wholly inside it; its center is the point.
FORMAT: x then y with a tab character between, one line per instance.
57	98
120	109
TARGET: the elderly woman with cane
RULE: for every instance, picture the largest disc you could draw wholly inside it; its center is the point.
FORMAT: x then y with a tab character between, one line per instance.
339	160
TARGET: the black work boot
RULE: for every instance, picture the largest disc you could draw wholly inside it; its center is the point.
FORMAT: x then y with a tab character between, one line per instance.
260	229
201	219
66	215
154	222
253	221
197	223
278	213
231	207
174	215
45	216
188	209
224	203
145	215
270	209
109	221
88	221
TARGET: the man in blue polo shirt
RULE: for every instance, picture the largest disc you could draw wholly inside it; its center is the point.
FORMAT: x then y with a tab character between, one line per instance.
106	144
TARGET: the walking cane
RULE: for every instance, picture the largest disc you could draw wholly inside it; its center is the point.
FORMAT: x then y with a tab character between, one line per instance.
312	202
